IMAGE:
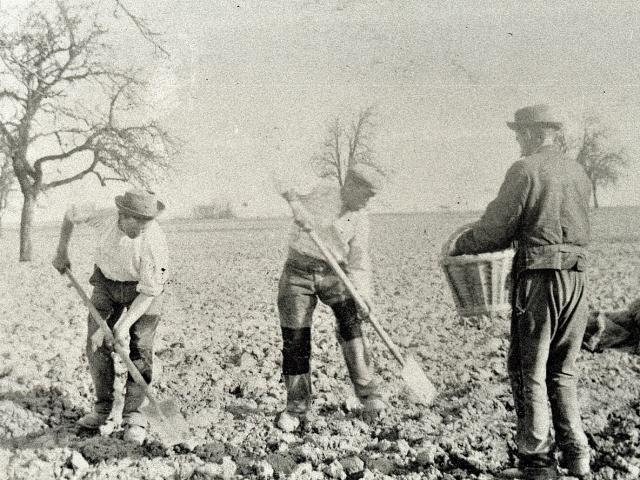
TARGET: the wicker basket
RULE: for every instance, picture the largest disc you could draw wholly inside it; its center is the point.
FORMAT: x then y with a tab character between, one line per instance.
480	284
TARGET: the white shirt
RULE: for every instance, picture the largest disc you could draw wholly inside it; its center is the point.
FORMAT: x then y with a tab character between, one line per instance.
143	259
346	234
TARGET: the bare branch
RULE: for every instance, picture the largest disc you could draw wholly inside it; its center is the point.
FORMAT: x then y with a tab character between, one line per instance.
12	96
58	134
343	148
6	135
72	178
143	27
114	100
37	165
7	179
103	180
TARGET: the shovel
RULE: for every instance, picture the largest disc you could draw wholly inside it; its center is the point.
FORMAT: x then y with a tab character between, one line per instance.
164	417
411	372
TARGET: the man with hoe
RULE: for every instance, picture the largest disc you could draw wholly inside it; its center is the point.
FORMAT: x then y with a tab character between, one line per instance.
543	208
130	270
338	217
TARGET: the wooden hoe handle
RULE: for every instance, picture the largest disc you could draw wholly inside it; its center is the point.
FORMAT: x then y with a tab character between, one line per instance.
302	217
133	370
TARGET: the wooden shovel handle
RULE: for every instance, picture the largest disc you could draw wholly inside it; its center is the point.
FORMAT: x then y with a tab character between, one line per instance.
133	370
333	263
302	217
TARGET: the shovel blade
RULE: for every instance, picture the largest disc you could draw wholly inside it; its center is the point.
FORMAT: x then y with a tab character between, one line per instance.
418	383
167	422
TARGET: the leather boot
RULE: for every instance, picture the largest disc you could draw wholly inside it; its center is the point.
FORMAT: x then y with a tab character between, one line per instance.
578	467
298	393
93	420
358	363
298	402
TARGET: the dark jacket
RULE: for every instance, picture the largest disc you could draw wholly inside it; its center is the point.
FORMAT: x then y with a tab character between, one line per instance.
542	207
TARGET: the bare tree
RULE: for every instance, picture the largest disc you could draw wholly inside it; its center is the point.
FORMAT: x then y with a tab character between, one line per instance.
603	161
72	112
344	146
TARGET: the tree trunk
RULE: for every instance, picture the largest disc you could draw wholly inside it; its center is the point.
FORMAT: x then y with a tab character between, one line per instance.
26	222
595	196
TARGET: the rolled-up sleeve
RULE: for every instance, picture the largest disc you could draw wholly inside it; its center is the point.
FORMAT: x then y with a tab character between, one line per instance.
154	265
87	213
358	260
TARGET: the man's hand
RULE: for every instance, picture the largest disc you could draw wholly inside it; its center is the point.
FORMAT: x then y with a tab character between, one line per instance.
120	335
289	195
363	313
97	339
61	262
128	318
303	224
452	251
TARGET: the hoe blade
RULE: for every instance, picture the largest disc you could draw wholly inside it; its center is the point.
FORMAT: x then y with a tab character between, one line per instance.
418	382
166	420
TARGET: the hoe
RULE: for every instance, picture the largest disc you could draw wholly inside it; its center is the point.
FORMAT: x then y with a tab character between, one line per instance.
164	417
411	373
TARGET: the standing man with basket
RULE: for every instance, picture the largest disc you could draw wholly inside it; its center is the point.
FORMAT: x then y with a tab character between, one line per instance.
130	270
542	207
339	218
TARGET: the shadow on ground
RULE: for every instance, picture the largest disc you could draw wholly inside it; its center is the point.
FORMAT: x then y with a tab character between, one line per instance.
42	419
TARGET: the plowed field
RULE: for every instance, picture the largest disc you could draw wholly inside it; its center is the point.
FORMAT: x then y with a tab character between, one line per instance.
218	349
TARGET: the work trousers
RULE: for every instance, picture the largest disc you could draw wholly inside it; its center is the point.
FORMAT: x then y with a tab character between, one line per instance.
304	281
110	298
548	323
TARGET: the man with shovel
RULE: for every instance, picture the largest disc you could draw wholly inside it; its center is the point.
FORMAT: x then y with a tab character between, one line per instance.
542	206
130	270
339	219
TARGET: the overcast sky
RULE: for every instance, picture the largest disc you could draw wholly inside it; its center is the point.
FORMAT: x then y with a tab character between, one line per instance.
250	86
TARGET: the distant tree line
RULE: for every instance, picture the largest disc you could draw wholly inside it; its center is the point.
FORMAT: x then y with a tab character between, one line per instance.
214	211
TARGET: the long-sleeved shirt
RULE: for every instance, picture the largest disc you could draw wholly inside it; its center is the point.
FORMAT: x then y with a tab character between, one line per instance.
542	205
143	259
345	233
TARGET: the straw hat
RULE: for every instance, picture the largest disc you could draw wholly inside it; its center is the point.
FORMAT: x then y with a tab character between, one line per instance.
541	114
139	203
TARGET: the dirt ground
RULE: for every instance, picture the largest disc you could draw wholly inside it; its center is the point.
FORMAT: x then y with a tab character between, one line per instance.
219	352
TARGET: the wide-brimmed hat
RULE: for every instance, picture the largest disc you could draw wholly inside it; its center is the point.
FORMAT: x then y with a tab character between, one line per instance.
541	114
370	176
139	203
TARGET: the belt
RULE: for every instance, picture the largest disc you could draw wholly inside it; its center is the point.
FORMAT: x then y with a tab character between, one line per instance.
555	257
307	263
97	274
